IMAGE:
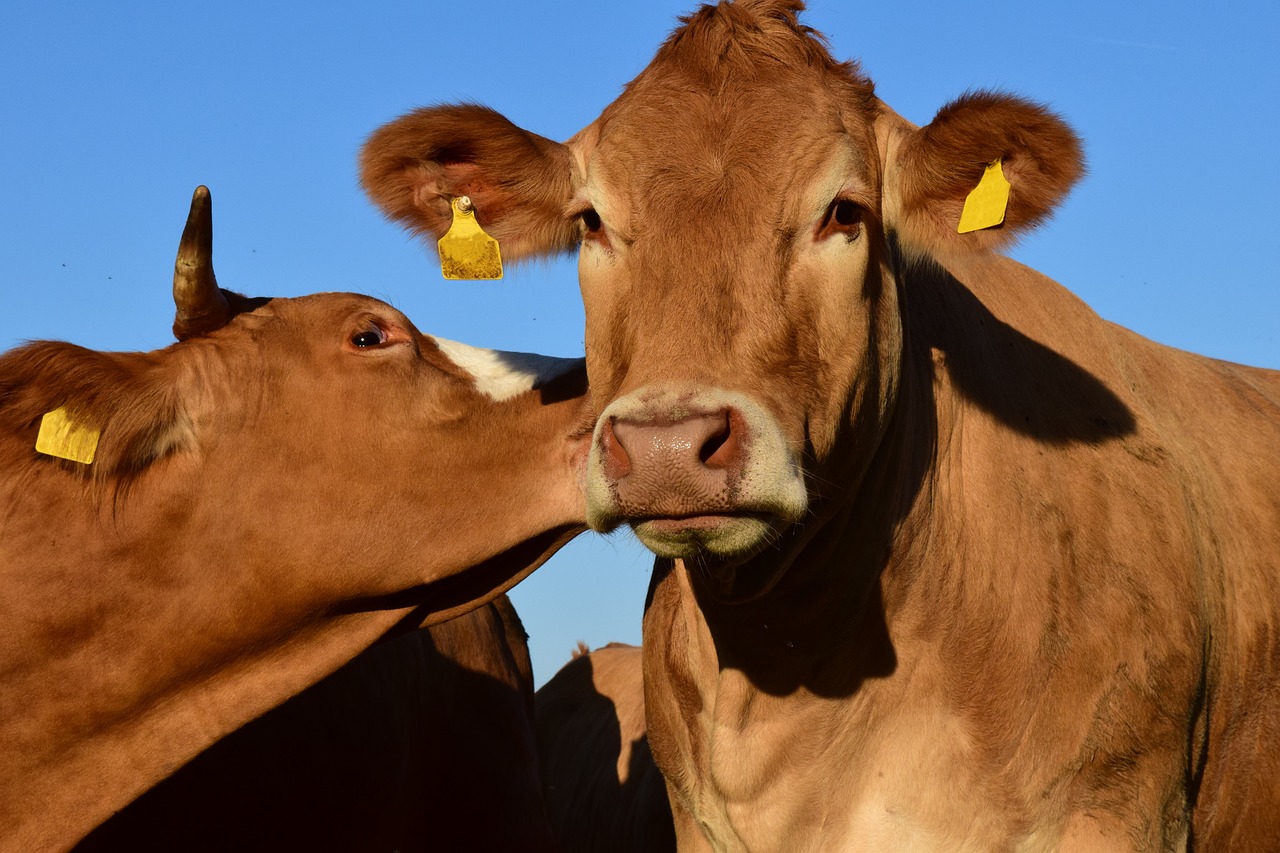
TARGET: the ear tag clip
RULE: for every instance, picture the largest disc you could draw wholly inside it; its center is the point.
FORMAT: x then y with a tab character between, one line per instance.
62	437
466	251
985	205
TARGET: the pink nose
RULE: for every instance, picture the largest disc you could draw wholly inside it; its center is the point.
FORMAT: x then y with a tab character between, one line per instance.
664	467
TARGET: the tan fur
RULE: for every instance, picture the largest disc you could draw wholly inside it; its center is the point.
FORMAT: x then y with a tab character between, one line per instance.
1030	603
131	398
942	163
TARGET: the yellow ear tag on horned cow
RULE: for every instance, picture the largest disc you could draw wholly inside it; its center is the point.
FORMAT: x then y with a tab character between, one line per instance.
62	437
985	205
466	252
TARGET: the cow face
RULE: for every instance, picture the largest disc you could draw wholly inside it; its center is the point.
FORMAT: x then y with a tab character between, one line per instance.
327	436
746	212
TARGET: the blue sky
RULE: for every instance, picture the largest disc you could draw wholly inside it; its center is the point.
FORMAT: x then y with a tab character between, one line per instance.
113	113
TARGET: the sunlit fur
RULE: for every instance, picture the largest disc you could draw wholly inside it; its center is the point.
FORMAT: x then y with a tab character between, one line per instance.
414	167
502	375
1030	603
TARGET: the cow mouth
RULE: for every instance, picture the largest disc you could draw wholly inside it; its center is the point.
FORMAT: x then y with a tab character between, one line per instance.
724	535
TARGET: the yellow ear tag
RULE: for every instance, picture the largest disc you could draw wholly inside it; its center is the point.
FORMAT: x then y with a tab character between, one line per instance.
60	436
985	205
466	252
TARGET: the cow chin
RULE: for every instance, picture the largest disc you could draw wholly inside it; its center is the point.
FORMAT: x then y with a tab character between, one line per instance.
724	539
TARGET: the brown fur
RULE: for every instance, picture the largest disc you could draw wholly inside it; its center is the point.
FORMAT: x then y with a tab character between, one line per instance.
942	164
1030	603
415	166
132	398
727	38
283	500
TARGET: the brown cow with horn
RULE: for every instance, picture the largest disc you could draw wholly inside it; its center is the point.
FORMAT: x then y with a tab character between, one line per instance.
948	562
240	514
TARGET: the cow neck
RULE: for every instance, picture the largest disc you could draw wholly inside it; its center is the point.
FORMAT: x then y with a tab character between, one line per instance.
152	677
823	627
225	635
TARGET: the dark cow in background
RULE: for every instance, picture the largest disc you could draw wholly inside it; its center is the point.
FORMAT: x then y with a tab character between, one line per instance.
948	562
292	482
423	742
601	787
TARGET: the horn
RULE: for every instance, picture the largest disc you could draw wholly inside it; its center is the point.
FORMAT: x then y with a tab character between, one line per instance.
201	306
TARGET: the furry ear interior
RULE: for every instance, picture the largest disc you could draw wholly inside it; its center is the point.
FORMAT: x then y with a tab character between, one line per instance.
518	181
127	397
939	164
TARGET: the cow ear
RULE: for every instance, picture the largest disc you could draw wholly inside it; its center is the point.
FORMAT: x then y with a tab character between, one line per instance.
126	398
938	165
519	182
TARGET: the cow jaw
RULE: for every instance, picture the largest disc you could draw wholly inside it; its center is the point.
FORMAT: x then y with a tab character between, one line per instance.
696	472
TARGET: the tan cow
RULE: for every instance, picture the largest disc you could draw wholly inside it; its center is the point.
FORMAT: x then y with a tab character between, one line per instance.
294	480
423	742
950	562
601	788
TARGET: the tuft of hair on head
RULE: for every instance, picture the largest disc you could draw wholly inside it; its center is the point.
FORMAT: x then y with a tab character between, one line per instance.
729	37
581	651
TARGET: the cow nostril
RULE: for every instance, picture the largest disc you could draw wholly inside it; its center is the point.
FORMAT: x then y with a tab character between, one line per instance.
616	460
713	445
720	448
700	441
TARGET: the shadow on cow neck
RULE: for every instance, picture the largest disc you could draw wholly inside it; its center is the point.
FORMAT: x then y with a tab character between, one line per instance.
823	626
1025	385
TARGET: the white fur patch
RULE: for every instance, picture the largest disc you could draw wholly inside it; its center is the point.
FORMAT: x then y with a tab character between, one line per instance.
503	375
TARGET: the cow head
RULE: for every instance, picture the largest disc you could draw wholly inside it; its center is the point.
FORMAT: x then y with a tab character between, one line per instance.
324	435
745	212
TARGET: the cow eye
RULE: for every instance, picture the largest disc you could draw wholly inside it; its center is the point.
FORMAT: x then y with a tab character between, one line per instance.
846	212
591	220
844	216
370	337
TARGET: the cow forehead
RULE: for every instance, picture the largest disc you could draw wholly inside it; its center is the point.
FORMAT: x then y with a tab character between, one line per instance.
502	375
729	124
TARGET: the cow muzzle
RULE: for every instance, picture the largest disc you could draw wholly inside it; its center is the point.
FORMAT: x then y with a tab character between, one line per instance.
694	472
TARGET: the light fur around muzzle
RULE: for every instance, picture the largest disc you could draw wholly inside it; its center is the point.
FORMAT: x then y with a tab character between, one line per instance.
765	493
